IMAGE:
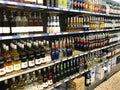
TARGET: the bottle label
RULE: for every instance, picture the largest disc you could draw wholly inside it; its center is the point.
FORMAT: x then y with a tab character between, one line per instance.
87	81
45	85
48	58
38	61
2	71
40	87
16	66
24	65
9	68
50	82
43	60
31	63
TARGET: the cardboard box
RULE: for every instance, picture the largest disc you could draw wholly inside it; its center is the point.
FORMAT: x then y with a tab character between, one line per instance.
77	84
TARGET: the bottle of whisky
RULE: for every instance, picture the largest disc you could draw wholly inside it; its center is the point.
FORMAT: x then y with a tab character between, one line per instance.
15	57
40	80
7	58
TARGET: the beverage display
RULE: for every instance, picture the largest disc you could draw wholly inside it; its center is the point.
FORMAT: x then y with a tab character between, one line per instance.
53	25
85	23
89	41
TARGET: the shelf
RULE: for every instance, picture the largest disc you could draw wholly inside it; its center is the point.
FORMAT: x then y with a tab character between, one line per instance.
51	34
53	8
76	54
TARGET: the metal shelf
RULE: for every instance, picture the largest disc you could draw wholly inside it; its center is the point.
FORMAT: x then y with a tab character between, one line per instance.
54	8
51	34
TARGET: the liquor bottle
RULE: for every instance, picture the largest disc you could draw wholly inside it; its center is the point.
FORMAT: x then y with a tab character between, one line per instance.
87	78
56	50
71	67
23	56
54	73
12	21
18	19
36	51
2	67
40	80
45	79
68	68
13	84
65	69
21	82
50	78
39	17
53	51
61	71
24	19
31	57
60	47
57	72
5	22
15	58
35	20
7	58
42	51
30	19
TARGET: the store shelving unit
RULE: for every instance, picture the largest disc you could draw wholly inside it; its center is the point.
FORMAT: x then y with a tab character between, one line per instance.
14	74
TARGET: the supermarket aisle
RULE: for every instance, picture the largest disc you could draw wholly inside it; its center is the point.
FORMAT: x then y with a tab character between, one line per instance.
112	83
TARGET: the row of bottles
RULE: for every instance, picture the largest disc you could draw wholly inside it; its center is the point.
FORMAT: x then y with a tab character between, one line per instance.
13	19
43	78
79	23
24	22
62	48
88	5
91	41
22	55
53	25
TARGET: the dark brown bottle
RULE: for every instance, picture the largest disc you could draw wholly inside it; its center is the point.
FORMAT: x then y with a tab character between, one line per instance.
30	19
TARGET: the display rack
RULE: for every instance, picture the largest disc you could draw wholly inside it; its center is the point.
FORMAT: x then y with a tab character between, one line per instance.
21	72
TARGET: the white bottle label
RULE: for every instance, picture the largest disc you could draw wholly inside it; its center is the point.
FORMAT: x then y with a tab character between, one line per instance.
38	61
45	85
2	71
9	68
50	82
48	58
31	63
16	66
40	87
43	60
40	1
87	81
24	65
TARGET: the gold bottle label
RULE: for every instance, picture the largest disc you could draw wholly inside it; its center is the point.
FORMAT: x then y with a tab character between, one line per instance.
9	68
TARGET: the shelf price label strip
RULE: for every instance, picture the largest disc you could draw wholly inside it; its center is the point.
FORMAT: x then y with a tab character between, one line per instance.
49	34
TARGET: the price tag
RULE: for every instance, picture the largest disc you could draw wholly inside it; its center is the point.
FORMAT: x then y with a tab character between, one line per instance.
70	57
6	30
76	55
12	3
51	34
6	37
65	33
64	59
58	33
